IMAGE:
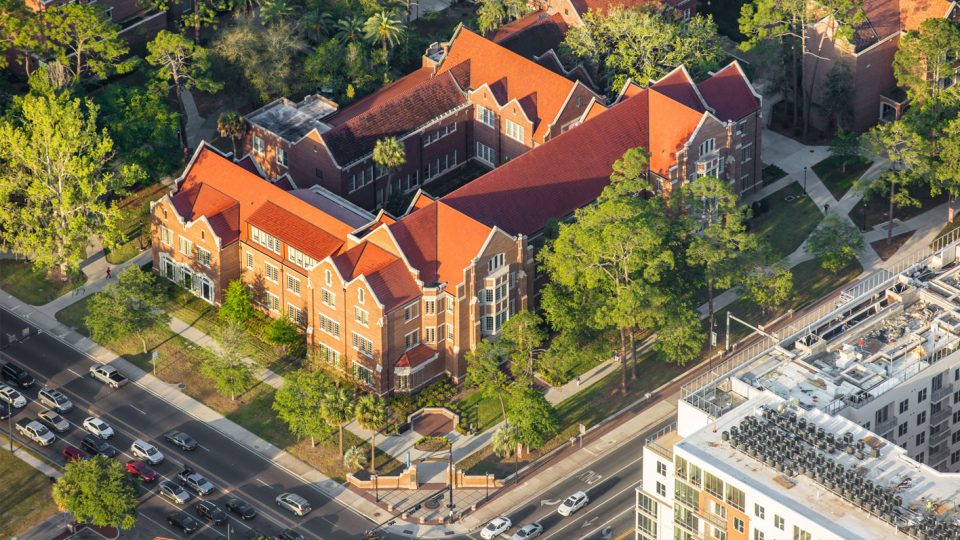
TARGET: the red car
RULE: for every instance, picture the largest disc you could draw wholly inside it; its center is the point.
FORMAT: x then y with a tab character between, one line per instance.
139	469
72	454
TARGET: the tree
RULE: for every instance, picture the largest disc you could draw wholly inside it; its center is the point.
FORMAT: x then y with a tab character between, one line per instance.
909	162
317	24
947	176
230	371
837	101
18	32
325	67
643	45
389	154
836	242
355	459
283	333
504	441
925	57
522	335
237	303
55	181
183	65
350	29
371	413
767	283
84	35
679	333
203	13
97	491
336	407
385	29
490	15
132	305
299	401
275	11
143	127
847	147
533	417
484	373
269	57
231	124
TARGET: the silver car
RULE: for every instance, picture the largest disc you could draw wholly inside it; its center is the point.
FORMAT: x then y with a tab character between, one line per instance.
54	399
53	421
12	397
529	531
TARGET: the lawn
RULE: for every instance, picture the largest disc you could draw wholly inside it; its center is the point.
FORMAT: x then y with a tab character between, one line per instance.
136	223
487	409
878	206
35	287
25	498
786	224
772	173
831	172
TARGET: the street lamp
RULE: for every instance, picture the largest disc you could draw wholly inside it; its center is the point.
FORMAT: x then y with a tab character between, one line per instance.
804	180
450	504
486	483
376	486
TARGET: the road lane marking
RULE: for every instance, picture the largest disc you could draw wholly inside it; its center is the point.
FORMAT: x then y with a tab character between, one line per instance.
204	447
264	483
601	503
609	521
75	373
138	409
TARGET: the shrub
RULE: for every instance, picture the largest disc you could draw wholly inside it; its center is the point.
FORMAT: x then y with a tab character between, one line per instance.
432	443
437	394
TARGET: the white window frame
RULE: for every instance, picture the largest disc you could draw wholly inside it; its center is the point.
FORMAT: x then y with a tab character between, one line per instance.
361	295
329	326
362	344
411	311
166	236
281	157
272	301
259	146
485	116
250	261
496	262
449	331
295	314
268	241
203	257
411	339
293	284
268	269
188	250
484	153
513	130
329	355
300	259
327	277
325	295
746	153
708	146
361	316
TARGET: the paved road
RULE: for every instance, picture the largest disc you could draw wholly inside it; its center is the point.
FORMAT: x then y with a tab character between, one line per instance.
133	412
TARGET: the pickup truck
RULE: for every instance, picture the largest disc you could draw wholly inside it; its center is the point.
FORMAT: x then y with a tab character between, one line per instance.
36	432
108	375
195	482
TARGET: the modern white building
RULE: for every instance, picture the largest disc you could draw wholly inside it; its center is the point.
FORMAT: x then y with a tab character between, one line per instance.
846	426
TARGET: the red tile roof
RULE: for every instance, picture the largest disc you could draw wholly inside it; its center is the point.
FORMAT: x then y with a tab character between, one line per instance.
386	274
888	17
416	356
671	124
729	94
221	210
556	178
679	86
540	91
583	6
382	96
531	35
294	230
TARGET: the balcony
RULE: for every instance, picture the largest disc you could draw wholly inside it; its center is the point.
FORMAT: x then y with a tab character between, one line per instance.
887	425
713	519
940	436
939	416
943	392
938	455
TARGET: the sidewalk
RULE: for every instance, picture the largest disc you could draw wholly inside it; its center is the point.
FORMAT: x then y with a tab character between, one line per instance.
95	268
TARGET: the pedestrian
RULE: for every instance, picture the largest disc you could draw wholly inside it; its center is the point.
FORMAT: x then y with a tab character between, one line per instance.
826	208
109	273
578	382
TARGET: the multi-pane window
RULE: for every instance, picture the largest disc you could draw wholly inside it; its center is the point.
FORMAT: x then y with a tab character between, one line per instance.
661	468
273	301
746	153
921	438
295	314
485	116
758	535
438	134
450	331
360	179
440	165
186	247
696	475
495	262
293	285
741	127
904	405
271	272
759	511
430	334
484	153
707	146
361	316
328	298
738	524
922	417
661	489
329	355
250	260
778	522
265	240
429	307
800	534
258	145
281	157
922	395
362	344
166	236
329	326
203	256
411	311
298	258
513	130
920	457
902	429
680	467
411	340
713	485
362	373
736	497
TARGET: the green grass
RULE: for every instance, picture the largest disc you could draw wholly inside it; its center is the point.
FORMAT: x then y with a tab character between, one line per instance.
25	498
878	205
785	225
490	413
949	227
838	181
772	173
35	287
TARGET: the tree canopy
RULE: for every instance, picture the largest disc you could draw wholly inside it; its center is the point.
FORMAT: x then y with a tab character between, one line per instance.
227	367
836	242
84	36
532	416
134	304
299	403
98	491
237	302
925	57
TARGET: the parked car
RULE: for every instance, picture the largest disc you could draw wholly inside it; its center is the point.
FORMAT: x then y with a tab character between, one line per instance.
96	446
54	399
183	521
210	511
71	453
181	440
531	530
98	427
54	421
17	375
139	469
108	375
241	508
146	452
195	482
496	527
573	503
294	503
174	492
5	410
289	534
36	432
12	397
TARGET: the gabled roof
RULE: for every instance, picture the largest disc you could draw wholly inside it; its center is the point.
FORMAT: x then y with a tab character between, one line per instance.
532	35
540	91
583	6
671	124
439	241
221	210
384	95
729	93
416	356
679	86
888	17
556	178
386	274
294	230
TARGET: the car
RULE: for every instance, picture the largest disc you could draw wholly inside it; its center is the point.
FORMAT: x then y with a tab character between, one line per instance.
108	375
195	482
181	440
97	447
241	508
36	432
294	503
496	527
174	492
289	534
98	427
12	397
183	521
17	375
54	399
531	530
573	503
146	452
209	510
54	421
139	469
5	410
71	453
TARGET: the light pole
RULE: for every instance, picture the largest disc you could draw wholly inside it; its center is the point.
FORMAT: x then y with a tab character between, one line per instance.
486	484
10	426
376	486
804	180
450	504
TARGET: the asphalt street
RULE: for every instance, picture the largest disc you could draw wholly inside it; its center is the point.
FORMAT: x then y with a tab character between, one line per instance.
136	413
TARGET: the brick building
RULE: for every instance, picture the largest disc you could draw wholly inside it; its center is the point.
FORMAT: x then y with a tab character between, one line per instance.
138	24
396	303
573	11
869	56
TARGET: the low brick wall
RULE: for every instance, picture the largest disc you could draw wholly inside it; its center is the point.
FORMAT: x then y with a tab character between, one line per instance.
464	480
406	480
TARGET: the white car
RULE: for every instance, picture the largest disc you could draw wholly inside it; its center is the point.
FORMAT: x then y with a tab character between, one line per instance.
146	451
528	532
12	397
98	427
573	503
496	527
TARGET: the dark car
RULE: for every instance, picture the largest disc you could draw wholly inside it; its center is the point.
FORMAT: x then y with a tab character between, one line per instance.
96	446
180	440
289	534
241	508
17	375
72	454
212	512
4	410
183	521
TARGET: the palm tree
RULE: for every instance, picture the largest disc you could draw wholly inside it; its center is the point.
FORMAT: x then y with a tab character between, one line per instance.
371	413
231	124
389	154
272	11
384	29
336	407
354	458
349	29
316	25
247	7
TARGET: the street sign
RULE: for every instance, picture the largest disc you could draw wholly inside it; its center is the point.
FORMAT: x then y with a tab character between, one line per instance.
583	429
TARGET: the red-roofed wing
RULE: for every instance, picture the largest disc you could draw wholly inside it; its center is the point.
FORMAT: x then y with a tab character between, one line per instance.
294	231
729	94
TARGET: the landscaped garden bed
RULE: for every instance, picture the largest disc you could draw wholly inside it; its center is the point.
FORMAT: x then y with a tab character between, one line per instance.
887	249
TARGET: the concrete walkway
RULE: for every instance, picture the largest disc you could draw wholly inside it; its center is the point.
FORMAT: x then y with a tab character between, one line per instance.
95	268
